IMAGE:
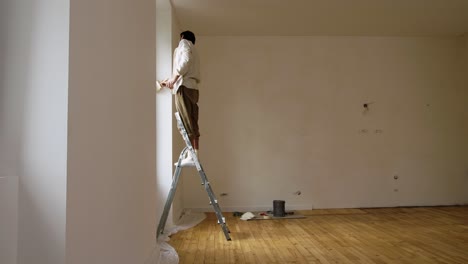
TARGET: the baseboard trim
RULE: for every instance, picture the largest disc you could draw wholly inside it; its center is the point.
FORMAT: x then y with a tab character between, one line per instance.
250	208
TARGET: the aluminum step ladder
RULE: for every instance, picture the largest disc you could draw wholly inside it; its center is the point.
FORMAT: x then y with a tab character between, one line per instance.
204	179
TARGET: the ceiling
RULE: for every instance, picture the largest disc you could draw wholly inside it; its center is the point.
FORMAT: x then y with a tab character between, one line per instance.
323	17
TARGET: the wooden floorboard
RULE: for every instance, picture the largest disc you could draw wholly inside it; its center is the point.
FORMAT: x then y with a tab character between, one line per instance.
381	235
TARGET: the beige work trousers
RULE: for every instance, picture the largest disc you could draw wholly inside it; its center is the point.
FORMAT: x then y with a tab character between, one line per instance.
186	102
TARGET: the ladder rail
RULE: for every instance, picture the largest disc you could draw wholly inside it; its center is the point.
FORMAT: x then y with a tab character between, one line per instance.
170	196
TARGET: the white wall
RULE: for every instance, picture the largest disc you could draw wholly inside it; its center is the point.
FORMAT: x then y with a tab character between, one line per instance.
111	159
9	138
8	219
111	195
282	114
177	142
166	29
10	109
33	130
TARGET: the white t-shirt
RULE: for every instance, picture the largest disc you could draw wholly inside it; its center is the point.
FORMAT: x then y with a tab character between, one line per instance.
187	65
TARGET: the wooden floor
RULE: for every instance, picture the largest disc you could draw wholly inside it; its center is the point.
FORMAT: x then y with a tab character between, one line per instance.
388	235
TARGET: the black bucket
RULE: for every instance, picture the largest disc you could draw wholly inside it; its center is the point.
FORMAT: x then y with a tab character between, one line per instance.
278	208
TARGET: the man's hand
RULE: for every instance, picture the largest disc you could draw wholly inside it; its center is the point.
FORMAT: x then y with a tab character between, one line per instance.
170	83
164	83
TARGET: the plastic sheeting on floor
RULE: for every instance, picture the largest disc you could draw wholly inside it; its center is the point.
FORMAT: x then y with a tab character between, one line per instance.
165	253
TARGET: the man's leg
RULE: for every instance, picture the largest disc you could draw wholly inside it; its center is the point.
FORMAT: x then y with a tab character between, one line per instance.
186	104
195	143
195	132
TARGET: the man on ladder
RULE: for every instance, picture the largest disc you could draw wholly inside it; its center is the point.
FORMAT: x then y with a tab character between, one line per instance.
184	85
